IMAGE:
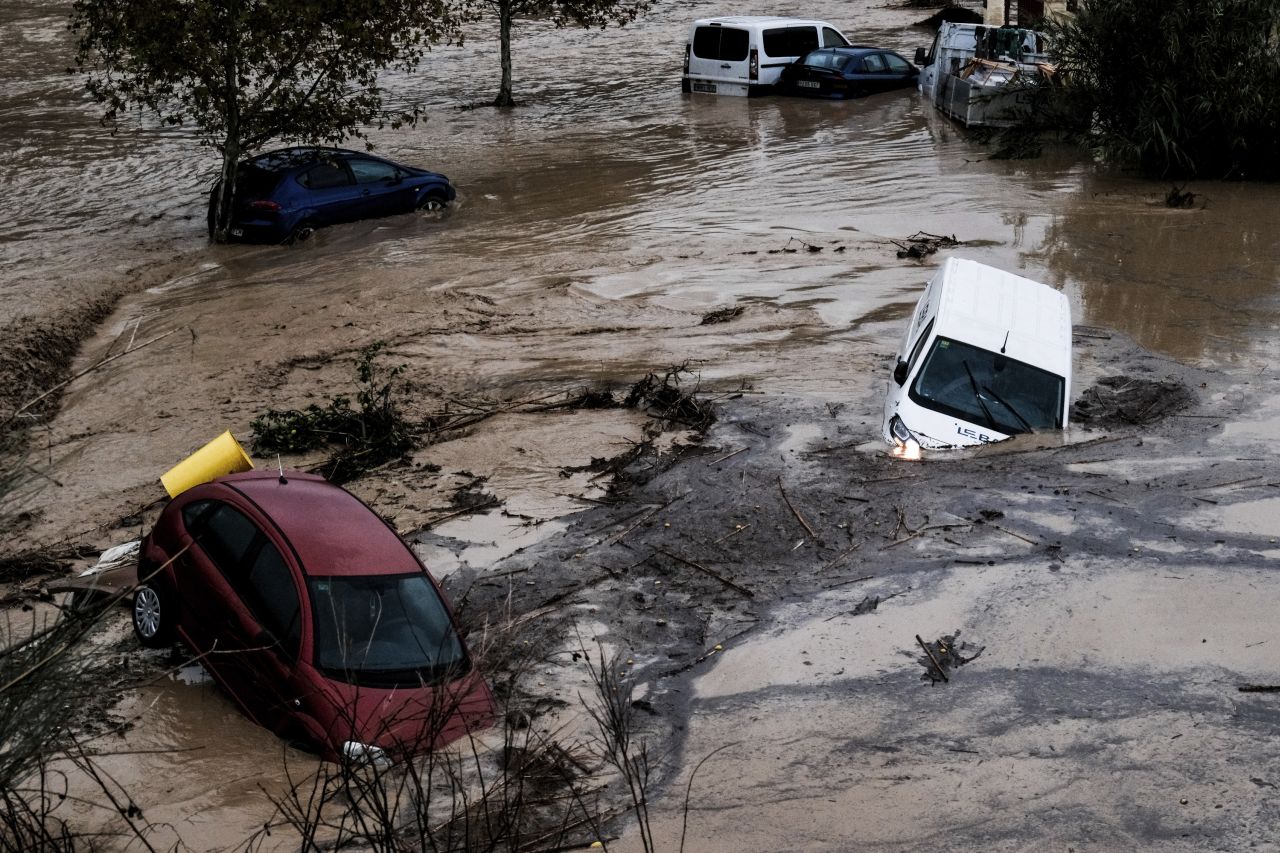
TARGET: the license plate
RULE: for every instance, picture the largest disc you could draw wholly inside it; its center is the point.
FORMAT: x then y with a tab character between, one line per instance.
809	84
700	86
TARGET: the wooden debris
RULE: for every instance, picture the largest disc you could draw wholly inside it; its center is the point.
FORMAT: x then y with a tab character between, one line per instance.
933	659
724	580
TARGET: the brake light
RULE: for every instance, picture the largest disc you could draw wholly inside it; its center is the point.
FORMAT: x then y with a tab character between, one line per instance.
264	204
686	59
753	65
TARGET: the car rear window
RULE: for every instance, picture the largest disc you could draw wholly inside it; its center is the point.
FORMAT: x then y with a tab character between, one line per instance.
824	59
897	64
790	41
324	176
253	182
723	43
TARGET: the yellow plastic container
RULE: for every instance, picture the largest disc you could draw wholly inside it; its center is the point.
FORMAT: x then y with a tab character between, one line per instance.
223	455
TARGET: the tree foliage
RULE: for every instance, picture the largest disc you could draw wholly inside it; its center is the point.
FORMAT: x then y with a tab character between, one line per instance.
245	73
581	13
1182	88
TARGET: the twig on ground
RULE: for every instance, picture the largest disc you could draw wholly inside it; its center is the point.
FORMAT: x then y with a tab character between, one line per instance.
795	511
724	580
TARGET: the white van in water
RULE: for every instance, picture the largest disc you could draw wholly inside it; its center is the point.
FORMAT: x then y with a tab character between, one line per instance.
987	355
744	55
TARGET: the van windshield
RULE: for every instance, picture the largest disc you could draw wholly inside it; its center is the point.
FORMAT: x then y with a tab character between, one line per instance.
984	387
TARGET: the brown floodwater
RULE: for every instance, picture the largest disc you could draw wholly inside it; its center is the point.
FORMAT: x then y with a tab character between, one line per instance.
594	226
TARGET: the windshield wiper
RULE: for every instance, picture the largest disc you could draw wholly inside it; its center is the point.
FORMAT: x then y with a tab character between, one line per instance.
1002	401
977	395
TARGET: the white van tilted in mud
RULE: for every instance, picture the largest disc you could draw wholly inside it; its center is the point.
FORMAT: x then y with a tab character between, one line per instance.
744	55
987	355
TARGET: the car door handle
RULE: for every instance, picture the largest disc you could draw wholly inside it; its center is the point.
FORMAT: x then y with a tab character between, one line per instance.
725	65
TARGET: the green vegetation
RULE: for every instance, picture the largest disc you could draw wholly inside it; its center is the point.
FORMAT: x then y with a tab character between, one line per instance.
1179	88
372	432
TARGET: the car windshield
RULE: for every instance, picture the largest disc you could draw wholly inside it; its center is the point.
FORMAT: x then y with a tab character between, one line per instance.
988	388
384	630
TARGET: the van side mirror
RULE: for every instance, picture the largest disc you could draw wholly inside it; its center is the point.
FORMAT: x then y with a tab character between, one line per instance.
900	372
922	56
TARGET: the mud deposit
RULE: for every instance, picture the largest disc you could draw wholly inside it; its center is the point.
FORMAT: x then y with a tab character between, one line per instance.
1119	578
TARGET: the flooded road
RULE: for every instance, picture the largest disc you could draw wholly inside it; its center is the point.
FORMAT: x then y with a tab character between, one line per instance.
595	226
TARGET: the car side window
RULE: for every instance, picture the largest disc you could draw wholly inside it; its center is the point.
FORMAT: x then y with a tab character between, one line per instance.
831	38
226	536
896	63
790	41
368	171
915	351
274	598
193	515
325	176
873	64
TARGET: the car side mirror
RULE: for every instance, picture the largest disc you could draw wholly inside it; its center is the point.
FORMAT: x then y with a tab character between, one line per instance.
900	372
922	56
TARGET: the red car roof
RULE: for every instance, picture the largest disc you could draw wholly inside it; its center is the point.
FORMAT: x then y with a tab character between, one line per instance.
331	530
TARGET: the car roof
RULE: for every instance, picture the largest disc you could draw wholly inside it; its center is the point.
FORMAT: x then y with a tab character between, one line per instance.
299	155
757	20
851	50
331	530
996	310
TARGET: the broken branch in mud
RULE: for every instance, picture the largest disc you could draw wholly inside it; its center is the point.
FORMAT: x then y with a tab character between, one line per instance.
794	511
1259	688
843	555
849	582
928	651
724	580
738	529
729	455
650	514
64	383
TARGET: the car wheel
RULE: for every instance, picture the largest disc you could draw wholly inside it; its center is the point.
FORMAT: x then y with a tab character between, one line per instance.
433	202
152	615
302	233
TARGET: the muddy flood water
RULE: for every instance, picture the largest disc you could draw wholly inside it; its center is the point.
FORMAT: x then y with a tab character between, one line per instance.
596	225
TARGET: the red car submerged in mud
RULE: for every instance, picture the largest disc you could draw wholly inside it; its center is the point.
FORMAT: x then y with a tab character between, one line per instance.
312	613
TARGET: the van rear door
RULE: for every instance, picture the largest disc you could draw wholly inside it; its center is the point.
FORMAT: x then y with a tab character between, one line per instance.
718	60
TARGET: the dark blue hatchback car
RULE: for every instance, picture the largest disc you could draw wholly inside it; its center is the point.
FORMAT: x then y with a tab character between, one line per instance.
284	195
847	72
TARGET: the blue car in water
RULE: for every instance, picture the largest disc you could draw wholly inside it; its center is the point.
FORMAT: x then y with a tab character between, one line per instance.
847	72
283	196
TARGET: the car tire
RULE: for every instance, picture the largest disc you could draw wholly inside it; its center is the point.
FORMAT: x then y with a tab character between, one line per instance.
152	615
433	202
302	233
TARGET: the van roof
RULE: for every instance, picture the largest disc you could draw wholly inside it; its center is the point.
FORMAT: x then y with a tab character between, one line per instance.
756	20
991	308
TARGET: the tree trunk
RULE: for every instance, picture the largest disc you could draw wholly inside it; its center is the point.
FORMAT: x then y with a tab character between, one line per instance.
504	98
224	193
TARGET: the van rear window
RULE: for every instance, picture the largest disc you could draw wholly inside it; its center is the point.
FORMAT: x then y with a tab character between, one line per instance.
790	41
724	43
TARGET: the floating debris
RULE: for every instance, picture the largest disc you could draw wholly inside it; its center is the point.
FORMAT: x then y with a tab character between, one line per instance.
922	244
